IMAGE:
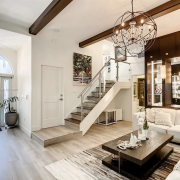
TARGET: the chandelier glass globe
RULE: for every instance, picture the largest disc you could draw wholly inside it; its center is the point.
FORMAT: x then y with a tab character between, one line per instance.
134	33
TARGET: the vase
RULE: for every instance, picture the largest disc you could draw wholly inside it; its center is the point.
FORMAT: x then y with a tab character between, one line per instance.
141	133
146	133
11	118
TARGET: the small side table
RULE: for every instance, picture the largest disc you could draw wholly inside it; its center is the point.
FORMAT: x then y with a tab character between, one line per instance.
111	116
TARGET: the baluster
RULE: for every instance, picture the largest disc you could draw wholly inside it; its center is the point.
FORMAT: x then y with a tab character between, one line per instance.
82	115
117	72
99	85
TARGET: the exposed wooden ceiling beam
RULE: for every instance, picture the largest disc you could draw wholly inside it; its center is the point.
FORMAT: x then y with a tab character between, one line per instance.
54	8
155	13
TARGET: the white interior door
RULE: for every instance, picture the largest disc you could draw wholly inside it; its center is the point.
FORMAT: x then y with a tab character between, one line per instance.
52	96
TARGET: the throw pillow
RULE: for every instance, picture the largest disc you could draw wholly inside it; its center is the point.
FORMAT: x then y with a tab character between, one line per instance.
150	115
163	119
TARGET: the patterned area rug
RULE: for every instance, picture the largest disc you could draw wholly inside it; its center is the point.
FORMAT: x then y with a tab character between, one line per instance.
87	165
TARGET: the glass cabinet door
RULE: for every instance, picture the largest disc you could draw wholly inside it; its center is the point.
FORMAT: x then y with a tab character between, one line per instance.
154	83
175	88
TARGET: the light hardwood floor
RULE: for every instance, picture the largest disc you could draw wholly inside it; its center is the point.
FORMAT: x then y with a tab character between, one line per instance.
22	158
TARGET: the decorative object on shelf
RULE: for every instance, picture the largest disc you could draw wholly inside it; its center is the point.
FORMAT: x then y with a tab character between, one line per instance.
120	53
134	36
11	115
82	69
134	143
158	89
114	159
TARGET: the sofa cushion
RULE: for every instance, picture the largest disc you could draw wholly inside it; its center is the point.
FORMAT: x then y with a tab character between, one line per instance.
177	121
172	112
158	128
150	113
175	175
175	130
162	118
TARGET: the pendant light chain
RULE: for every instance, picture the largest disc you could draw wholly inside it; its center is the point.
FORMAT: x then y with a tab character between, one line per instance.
132	6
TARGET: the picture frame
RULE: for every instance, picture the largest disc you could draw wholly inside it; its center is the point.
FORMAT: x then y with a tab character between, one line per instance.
82	69
120	53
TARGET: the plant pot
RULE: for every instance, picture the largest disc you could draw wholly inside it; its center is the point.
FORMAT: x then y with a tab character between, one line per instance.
11	118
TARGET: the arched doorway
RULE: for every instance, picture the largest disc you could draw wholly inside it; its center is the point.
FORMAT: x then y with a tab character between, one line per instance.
6	75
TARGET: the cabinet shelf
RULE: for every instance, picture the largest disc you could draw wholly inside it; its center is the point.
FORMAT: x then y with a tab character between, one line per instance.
154	73
155	94
153	83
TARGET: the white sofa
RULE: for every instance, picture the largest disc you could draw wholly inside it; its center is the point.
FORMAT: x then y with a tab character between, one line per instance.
174	130
175	174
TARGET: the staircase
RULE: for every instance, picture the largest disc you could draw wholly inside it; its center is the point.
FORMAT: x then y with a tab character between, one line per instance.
98	94
88	105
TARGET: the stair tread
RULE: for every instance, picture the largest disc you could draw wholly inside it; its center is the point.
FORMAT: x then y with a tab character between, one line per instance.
93	96
79	113
90	101
75	121
86	107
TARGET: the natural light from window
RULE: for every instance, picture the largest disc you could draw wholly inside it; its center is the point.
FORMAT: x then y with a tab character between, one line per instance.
5	67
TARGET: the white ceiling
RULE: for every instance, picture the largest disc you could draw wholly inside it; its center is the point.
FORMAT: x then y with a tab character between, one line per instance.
22	12
11	40
82	19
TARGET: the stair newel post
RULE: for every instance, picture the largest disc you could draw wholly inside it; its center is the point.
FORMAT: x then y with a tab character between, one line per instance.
82	99
117	72
99	85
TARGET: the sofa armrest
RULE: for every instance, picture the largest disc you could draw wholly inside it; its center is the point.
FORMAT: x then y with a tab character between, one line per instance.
135	121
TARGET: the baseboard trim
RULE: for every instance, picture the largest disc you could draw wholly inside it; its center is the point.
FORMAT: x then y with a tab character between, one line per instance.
25	130
35	128
127	119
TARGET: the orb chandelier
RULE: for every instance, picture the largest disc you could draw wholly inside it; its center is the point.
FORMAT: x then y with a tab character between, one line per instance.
134	33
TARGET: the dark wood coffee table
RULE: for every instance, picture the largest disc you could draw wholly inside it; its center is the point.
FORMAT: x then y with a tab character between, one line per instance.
139	164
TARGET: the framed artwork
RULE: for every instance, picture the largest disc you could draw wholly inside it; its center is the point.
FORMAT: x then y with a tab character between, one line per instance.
120	53
82	69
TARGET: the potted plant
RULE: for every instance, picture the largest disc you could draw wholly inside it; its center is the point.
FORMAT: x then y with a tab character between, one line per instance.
145	126
11	114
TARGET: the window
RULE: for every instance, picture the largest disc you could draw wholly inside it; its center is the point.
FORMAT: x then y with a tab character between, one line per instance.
5	67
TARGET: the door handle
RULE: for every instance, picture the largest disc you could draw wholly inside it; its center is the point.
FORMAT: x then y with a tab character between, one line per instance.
61	99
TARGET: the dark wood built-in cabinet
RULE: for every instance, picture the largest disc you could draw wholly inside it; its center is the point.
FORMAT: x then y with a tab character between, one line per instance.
161	53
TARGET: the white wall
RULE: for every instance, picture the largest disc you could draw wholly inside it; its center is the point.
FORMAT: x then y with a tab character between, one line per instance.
24	86
58	54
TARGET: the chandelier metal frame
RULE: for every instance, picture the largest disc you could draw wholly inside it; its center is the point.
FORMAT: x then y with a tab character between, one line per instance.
139	21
